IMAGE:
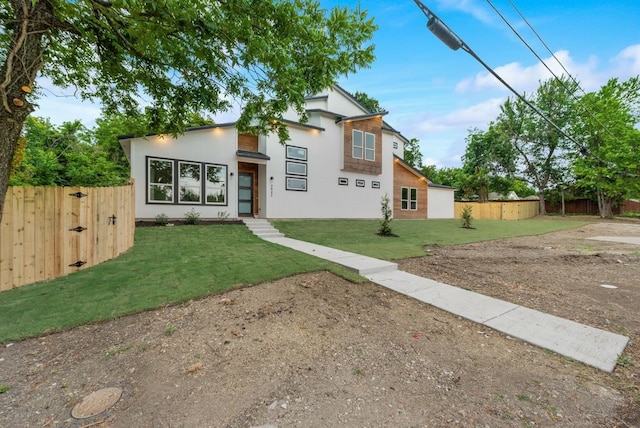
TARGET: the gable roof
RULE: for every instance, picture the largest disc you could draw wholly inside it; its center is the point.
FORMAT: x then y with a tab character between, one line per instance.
410	168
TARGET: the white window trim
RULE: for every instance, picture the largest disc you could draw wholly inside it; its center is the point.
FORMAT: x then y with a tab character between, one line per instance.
408	200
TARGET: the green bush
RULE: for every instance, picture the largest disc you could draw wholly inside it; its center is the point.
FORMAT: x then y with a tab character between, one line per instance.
192	217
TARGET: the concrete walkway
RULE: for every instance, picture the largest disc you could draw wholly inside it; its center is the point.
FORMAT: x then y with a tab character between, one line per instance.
598	348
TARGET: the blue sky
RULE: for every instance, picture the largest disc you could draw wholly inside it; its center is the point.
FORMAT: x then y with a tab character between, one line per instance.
435	94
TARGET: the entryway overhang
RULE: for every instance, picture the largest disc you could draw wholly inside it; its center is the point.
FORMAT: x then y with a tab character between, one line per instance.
252	157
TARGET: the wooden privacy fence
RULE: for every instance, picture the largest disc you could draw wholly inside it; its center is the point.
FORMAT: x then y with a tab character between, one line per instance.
500	210
47	232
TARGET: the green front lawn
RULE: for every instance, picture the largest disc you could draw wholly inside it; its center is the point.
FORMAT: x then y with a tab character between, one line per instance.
170	265
359	236
166	265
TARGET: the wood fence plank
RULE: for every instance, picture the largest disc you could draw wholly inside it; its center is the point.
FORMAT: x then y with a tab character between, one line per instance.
6	243
18	237
29	235
49	238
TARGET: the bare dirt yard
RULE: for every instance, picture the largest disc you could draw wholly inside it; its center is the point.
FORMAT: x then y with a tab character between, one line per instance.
315	350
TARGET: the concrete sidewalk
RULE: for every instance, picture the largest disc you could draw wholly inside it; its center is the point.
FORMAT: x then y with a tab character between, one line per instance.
598	348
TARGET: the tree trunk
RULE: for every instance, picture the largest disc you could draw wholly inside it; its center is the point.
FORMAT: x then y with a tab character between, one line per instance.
563	206
22	63
543	209
605	205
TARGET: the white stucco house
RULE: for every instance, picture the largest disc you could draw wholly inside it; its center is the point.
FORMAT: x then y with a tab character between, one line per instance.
338	165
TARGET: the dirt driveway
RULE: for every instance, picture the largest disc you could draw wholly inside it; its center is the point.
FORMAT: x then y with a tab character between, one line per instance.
317	351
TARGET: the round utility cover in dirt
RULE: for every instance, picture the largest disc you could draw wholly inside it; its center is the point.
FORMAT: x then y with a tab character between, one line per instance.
96	403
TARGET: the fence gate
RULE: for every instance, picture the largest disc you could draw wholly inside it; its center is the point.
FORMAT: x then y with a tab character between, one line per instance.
47	232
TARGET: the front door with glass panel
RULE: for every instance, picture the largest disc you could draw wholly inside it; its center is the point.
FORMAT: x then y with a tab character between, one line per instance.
245	194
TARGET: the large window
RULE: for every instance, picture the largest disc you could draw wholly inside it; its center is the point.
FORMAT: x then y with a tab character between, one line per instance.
409	200
364	145
160	180
189	182
216	185
192	179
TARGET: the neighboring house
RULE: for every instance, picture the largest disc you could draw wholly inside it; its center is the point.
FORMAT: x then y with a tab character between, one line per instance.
340	164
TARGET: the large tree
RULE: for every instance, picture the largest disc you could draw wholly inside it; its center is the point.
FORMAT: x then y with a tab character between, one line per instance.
488	162
540	149
177	56
607	158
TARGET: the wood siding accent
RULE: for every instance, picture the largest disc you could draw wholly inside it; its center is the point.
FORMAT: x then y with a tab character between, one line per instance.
253	169
37	242
248	142
372	126
402	177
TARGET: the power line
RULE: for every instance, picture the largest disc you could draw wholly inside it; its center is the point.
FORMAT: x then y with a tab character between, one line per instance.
449	38
545	45
569	91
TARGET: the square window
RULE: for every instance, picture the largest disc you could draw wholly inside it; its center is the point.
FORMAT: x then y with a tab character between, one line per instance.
343	181
360	183
375	184
409	198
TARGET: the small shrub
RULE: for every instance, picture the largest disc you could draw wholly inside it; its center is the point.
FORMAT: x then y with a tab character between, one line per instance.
4	388
192	217
385	224
223	215
162	219
170	330
467	216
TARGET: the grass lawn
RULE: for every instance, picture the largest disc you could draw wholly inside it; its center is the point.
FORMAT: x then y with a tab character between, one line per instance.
166	265
174	264
359	236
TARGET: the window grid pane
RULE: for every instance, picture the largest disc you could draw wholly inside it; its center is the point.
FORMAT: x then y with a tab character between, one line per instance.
370	147
357	144
160	180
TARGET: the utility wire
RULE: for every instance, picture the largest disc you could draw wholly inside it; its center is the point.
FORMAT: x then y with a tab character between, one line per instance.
545	45
571	93
448	37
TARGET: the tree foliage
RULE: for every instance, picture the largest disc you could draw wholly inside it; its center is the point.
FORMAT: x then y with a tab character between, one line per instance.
412	154
608	158
176	56
64	156
370	103
539	148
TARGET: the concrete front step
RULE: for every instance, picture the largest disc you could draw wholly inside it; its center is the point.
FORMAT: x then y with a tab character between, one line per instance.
262	228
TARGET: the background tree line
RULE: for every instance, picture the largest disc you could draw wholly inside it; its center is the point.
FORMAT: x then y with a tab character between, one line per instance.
595	152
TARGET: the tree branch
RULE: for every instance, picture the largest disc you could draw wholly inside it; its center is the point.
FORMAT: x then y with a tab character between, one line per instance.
12	54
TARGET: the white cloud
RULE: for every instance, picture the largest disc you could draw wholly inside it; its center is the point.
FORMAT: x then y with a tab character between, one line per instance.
627	62
471	7
478	115
527	78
